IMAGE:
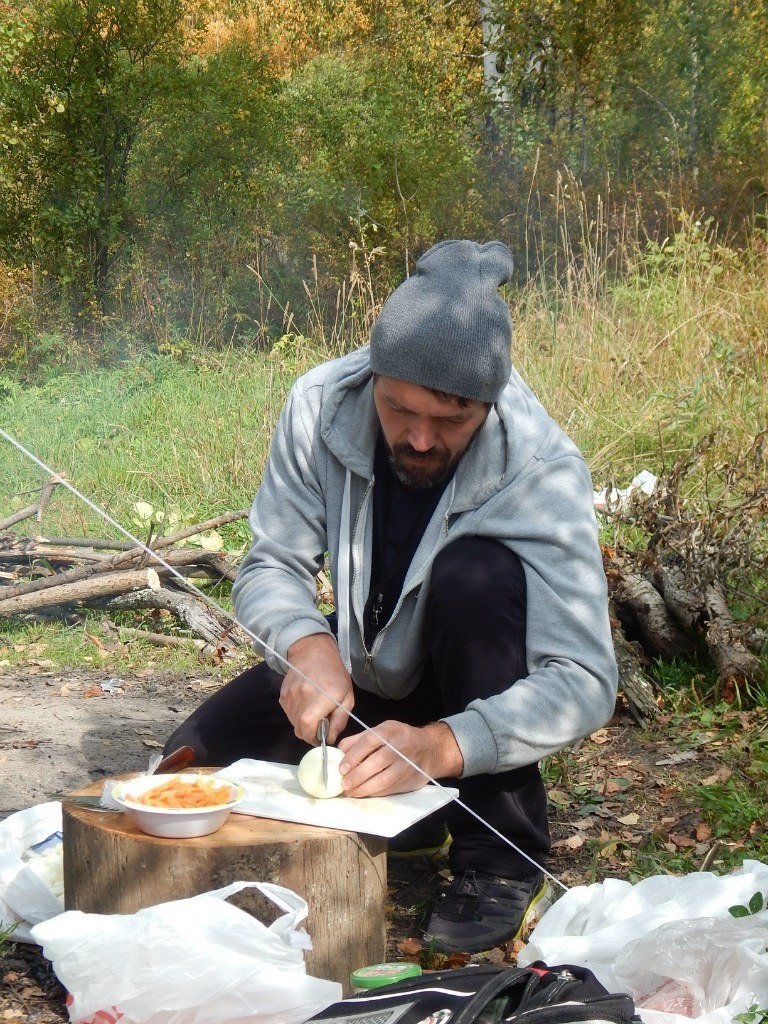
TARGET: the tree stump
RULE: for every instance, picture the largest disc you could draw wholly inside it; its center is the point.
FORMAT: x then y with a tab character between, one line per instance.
110	867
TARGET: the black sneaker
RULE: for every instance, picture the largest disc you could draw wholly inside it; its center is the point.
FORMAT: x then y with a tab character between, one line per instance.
425	838
480	911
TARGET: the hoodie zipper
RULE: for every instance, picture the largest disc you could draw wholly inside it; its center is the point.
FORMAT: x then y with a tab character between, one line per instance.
370	653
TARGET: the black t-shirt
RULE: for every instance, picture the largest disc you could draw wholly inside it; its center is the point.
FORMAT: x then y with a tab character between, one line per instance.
400	516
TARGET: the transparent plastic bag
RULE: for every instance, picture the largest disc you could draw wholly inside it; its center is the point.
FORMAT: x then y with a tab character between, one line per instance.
195	961
30	848
669	941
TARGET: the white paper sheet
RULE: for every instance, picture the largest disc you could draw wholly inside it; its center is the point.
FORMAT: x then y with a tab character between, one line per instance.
274	792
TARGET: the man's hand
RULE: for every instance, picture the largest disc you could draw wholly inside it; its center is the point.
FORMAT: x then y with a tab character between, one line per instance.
316	657
371	768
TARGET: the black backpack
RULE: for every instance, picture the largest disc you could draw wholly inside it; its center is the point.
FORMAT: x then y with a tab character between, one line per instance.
488	994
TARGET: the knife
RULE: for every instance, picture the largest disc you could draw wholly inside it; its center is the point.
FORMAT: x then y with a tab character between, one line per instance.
322	732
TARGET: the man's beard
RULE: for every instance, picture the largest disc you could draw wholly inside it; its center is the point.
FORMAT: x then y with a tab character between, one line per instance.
420	470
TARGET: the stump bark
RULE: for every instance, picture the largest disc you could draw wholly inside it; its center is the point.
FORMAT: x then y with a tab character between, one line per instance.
110	867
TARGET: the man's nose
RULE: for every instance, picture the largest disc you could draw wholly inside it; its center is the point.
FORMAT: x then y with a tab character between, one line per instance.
421	436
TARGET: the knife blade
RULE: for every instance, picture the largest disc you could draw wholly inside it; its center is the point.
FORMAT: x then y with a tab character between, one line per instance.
90	803
322	732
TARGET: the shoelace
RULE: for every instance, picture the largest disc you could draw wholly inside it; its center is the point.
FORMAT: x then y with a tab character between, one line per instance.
470	888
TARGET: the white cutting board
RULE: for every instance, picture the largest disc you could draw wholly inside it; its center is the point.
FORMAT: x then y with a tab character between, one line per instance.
274	792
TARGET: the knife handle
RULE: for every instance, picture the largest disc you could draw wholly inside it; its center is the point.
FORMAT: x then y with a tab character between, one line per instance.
180	758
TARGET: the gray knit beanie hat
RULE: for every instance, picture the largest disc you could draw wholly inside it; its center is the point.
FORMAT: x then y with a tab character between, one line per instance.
447	327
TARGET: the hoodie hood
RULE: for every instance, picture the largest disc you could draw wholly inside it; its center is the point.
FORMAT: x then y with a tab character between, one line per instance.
516	431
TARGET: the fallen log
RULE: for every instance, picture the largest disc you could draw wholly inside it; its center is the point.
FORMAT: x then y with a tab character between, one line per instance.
95	583
212	625
633	680
705	609
214	563
637	600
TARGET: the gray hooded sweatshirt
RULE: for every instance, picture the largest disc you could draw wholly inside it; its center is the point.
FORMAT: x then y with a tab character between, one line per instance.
522	482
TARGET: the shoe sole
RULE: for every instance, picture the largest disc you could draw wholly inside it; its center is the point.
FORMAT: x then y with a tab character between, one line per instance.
534	911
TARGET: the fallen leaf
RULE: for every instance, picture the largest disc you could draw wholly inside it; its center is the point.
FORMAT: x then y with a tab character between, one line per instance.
93	691
722	774
571	843
600	736
614	786
681	842
559	797
684	755
410	947
454	960
154	743
583	823
65	691
629	819
496	956
703	832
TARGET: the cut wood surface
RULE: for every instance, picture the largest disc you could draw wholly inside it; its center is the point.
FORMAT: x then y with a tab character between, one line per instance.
110	867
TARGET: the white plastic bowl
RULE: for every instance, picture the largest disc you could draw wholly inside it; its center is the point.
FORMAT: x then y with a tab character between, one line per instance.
175	822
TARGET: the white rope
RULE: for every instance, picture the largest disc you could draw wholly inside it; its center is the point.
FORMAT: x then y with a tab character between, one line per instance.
267	648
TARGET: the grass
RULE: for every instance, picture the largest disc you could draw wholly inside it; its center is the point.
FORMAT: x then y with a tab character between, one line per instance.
6	936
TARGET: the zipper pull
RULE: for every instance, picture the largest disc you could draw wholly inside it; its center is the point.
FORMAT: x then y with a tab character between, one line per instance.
367	665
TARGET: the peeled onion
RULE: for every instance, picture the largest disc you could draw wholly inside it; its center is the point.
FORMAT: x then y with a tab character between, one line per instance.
311	773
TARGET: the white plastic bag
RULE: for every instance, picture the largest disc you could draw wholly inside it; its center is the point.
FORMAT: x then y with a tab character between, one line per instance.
707	969
193	961
669	941
25	897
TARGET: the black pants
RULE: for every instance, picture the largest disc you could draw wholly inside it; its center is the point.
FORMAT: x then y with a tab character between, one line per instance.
475	635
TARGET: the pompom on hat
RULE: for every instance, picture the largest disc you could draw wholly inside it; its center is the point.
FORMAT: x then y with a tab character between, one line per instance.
447	327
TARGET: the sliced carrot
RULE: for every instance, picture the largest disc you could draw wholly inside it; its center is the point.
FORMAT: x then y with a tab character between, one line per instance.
174	794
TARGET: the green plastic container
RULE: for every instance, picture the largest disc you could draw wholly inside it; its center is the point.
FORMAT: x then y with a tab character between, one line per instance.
379	975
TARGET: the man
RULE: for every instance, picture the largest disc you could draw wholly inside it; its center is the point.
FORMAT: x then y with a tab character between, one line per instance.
471	626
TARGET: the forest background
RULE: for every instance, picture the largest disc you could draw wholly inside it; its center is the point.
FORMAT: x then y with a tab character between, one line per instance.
201	198
173	172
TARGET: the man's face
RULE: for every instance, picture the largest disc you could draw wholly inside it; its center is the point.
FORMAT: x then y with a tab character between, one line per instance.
426	433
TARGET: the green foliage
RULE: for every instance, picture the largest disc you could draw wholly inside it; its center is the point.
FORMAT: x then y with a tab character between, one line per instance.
757	903
199	194
735	807
368	150
753	1015
76	93
6	935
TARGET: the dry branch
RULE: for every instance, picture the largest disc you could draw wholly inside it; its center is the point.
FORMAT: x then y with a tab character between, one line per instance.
212	625
89	576
33	510
672	594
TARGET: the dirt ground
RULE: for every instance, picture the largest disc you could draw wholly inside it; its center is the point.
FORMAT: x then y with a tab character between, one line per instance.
59	731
